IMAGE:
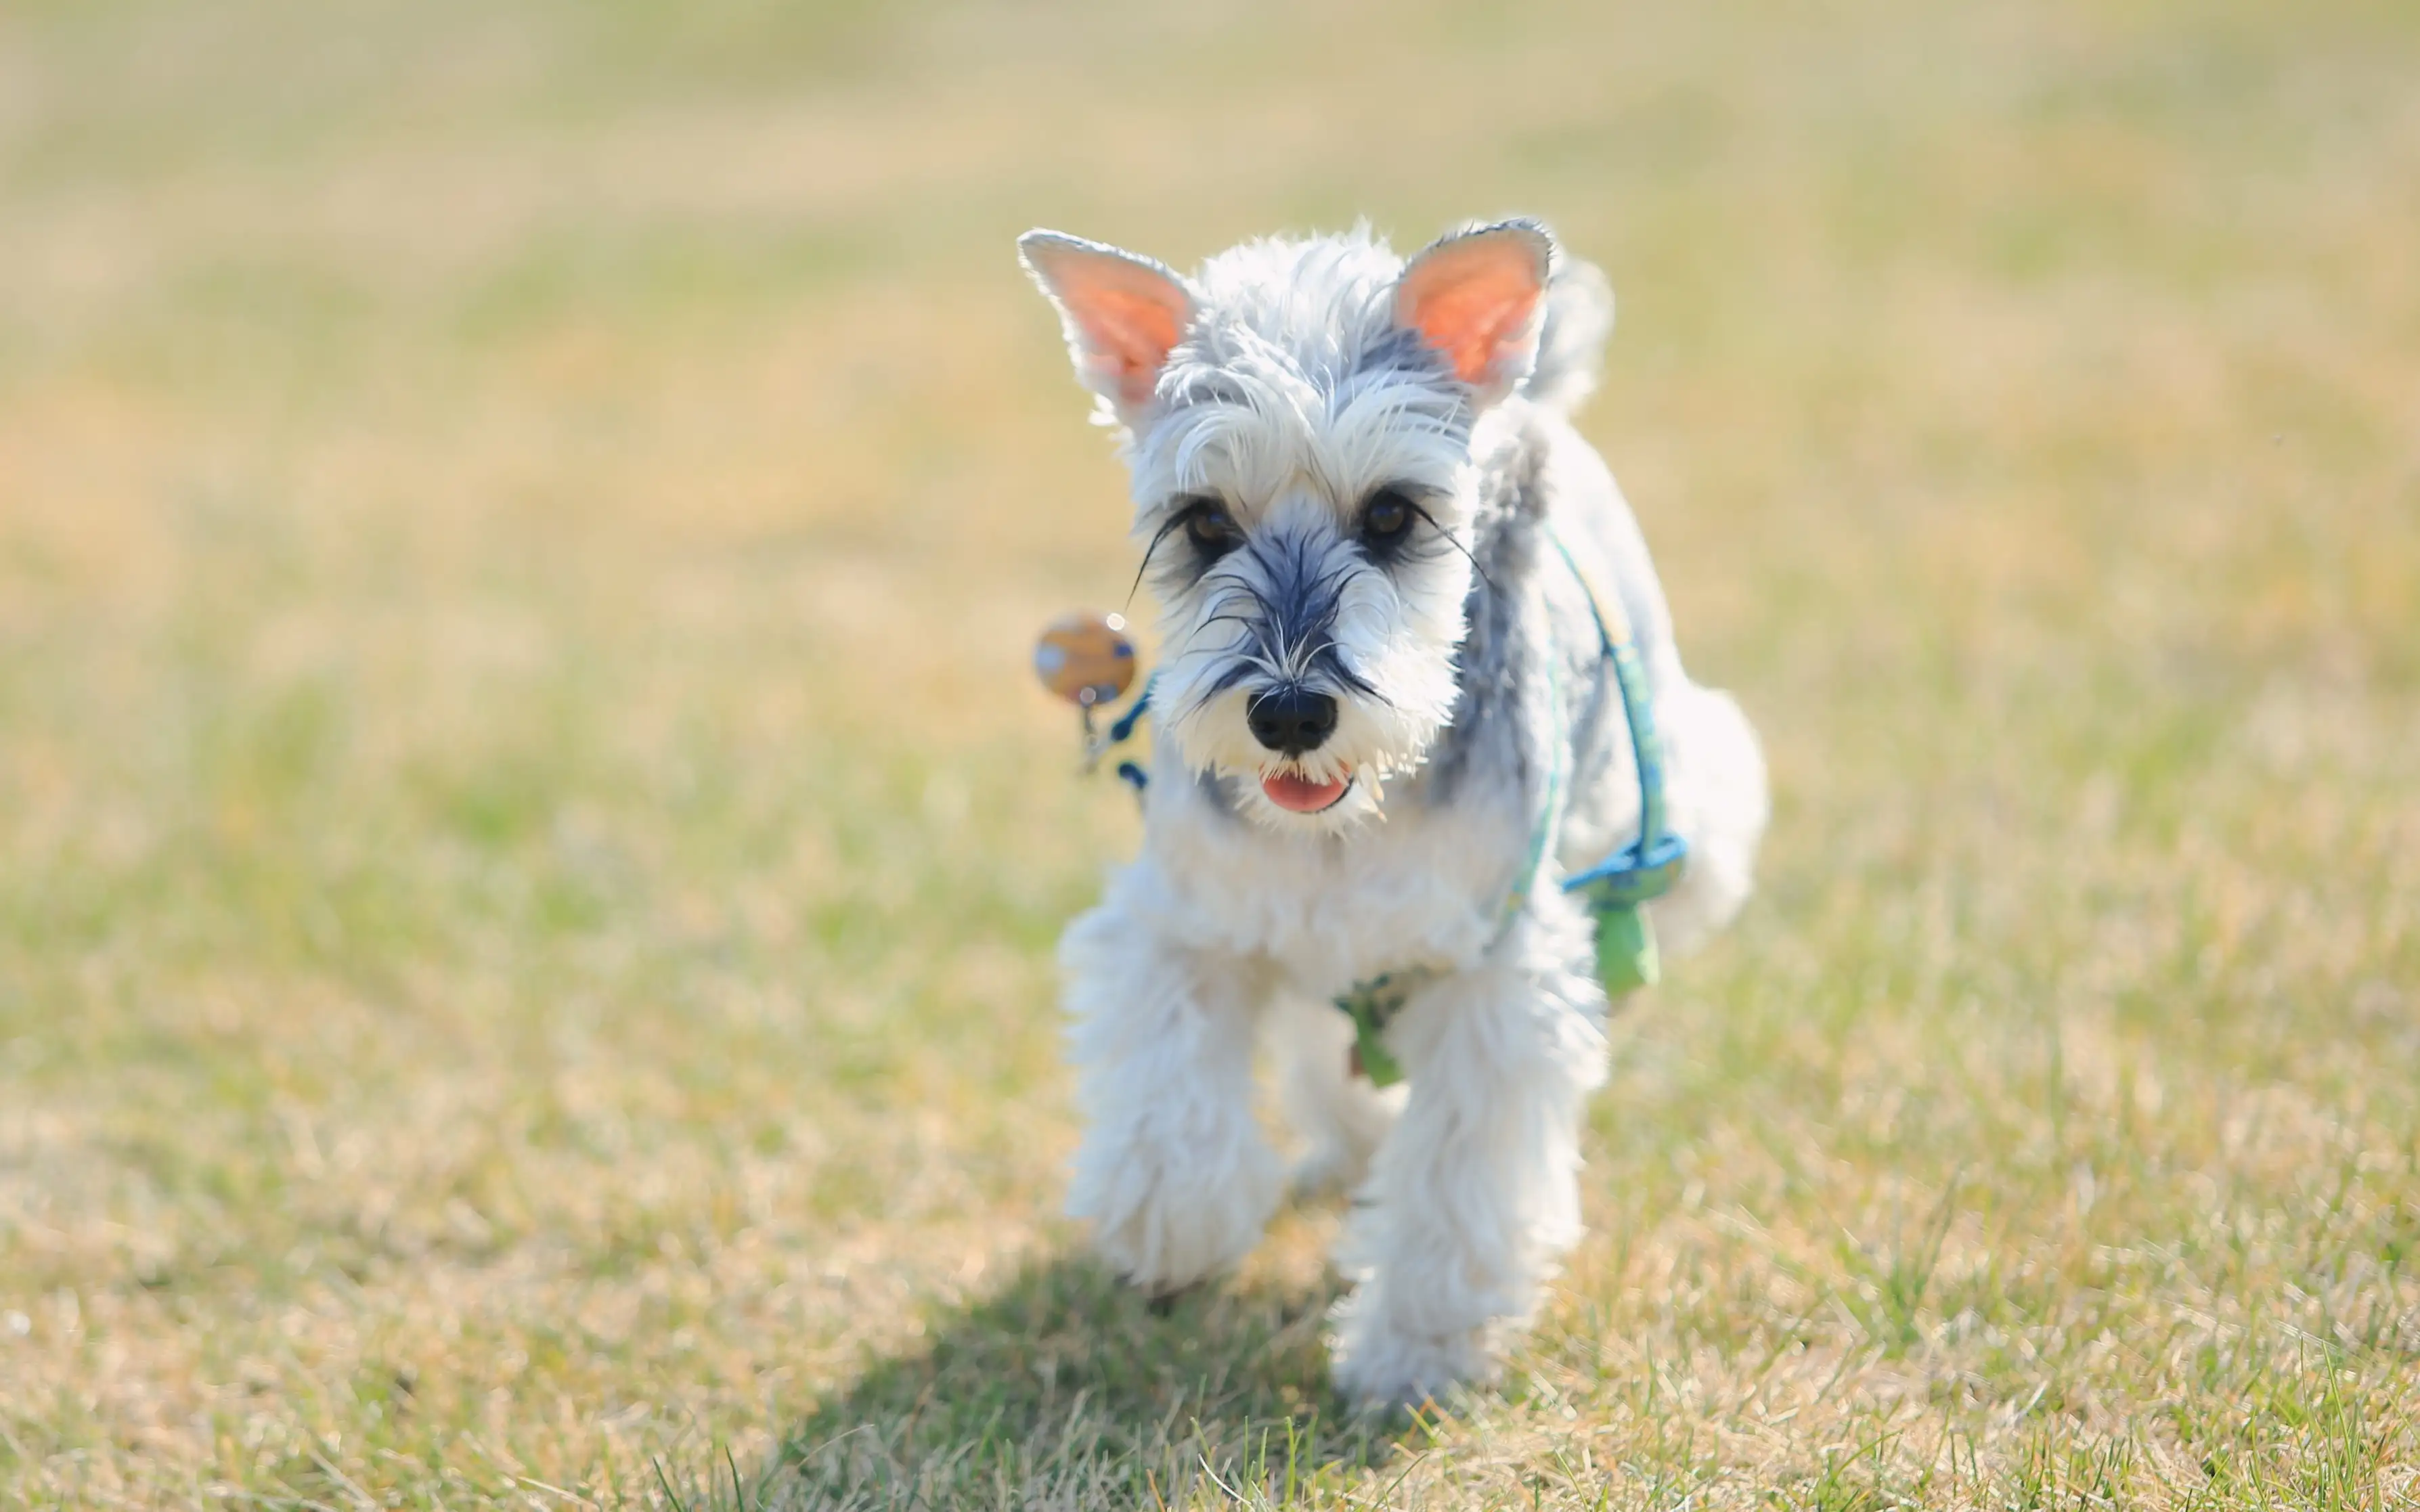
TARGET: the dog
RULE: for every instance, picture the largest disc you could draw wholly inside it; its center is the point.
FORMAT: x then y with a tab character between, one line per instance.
1387	723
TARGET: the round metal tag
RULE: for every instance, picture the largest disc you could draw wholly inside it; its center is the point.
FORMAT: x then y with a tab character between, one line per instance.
1086	658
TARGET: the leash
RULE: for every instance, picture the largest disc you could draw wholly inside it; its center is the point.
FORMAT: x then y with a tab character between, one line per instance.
1122	730
1615	891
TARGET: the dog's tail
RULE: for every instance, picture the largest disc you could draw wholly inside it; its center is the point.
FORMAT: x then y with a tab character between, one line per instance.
1570	347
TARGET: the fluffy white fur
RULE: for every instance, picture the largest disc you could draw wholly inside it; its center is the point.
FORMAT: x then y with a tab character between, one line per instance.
1283	389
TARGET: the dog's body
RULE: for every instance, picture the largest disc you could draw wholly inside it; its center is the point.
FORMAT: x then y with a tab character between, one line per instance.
1382	686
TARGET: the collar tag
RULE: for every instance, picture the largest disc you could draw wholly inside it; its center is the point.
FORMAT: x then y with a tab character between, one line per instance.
1372	1003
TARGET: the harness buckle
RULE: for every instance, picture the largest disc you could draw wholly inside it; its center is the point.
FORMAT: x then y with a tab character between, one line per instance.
1638	873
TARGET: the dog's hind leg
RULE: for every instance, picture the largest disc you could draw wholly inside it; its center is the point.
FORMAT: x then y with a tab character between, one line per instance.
1341	1117
1173	1170
1476	1190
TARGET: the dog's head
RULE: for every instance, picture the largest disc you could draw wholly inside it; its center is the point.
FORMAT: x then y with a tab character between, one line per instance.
1298	419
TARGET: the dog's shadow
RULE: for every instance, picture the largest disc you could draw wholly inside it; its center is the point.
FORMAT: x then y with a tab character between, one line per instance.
1066	1388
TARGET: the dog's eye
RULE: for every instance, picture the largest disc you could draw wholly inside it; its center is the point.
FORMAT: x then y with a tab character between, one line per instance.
1385	518
1210	527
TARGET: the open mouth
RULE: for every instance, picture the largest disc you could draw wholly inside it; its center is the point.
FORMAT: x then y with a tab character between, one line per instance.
1296	794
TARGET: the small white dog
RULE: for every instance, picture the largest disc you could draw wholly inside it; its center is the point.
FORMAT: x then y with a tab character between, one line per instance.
1390	721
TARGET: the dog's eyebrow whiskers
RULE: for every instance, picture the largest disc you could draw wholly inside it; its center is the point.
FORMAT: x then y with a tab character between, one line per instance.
1148	552
1421	510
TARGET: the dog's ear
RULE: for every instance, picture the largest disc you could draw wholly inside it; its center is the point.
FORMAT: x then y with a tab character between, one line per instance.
1123	314
1477	297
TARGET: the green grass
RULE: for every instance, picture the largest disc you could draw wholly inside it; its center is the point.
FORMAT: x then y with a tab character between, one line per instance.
529	856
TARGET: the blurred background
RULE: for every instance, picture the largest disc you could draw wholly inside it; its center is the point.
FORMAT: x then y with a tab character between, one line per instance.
529	850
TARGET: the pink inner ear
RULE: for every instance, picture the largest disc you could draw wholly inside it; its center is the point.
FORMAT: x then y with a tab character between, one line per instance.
1133	335
1472	302
1131	320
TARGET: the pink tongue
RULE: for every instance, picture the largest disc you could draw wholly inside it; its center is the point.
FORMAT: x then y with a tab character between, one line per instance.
1301	794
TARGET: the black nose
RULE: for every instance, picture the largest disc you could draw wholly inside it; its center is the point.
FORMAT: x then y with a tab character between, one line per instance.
1291	720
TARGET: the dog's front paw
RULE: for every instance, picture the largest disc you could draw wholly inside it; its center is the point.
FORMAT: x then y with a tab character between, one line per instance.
1378	1367
1167	1214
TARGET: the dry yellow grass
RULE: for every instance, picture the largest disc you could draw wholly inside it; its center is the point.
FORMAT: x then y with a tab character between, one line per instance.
528	857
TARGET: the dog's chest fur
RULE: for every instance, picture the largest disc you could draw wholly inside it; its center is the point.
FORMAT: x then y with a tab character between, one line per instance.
1425	885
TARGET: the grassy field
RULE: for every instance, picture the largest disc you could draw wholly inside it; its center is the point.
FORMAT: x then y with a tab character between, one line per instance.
529	855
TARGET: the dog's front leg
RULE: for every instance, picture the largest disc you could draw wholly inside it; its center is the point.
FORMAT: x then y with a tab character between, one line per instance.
1475	1190
1173	1170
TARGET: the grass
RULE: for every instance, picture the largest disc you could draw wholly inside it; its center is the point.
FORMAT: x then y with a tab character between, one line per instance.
528	854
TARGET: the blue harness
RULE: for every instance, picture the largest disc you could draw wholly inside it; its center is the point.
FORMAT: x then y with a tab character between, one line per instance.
1615	891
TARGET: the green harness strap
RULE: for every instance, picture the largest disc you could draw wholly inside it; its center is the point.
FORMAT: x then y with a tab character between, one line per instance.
1614	891
1617	889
